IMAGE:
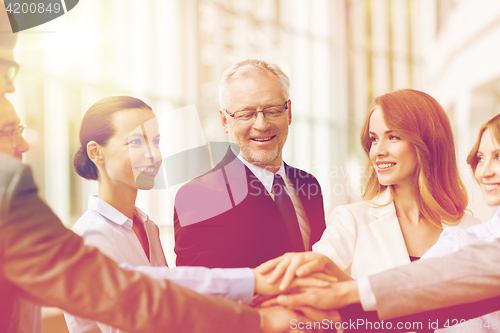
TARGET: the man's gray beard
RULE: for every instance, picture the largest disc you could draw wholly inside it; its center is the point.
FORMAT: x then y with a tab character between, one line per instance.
252	156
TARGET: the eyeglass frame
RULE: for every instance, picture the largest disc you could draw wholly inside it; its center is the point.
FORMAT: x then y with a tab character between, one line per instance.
12	67
256	112
14	135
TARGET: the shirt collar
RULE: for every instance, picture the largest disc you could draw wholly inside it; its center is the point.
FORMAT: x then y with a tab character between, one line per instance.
266	177
101	207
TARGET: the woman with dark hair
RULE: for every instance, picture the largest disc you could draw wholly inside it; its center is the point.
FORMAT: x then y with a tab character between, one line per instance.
413	189
119	148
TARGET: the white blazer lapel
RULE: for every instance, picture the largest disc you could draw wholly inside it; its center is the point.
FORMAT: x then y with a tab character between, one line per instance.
387	231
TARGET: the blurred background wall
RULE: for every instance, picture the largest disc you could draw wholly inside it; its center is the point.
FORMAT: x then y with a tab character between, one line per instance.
339	54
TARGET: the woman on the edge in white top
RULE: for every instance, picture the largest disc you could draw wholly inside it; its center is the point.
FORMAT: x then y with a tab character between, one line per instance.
412	190
484	160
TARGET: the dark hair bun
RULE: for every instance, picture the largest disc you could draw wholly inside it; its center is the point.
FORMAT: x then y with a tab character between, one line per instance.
83	165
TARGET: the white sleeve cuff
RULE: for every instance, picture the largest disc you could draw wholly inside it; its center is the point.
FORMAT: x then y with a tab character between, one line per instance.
240	283
236	284
366	295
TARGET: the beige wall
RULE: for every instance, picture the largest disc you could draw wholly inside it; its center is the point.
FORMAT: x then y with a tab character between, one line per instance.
465	76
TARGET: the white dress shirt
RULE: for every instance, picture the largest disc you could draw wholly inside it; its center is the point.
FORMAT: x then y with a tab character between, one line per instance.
267	178
111	232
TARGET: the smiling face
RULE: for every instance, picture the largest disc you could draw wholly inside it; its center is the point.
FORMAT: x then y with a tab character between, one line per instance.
488	168
261	141
132	156
393	158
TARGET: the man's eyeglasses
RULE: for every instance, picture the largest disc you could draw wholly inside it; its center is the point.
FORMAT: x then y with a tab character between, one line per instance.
12	69
270	113
13	135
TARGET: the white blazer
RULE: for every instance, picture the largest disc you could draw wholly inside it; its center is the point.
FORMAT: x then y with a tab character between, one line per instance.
363	239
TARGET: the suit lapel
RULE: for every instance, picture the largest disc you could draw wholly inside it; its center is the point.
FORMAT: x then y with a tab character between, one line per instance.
242	184
387	231
240	181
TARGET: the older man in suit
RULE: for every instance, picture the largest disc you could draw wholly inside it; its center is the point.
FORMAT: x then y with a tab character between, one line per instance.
252	206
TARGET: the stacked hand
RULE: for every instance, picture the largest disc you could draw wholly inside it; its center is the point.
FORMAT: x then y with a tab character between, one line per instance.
269	283
311	287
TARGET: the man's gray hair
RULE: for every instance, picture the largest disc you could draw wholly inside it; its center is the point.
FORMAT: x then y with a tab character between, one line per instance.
245	67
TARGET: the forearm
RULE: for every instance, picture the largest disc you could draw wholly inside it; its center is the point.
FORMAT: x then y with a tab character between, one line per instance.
236	284
50	264
471	275
90	285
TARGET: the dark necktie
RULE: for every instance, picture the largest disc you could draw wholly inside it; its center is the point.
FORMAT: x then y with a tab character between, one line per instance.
285	206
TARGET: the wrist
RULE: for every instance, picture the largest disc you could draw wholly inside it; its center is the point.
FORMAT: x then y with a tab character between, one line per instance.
350	292
255	279
261	316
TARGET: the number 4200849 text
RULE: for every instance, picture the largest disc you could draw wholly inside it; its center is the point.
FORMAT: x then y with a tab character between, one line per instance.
18	8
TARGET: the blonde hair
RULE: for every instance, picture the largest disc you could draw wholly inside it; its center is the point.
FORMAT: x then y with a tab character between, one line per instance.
493	124
420	119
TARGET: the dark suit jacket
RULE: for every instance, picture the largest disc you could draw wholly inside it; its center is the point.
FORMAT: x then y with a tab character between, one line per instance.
48	264
226	218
